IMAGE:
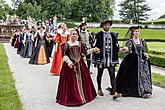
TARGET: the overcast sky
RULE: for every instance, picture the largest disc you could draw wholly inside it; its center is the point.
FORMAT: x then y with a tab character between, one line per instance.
157	6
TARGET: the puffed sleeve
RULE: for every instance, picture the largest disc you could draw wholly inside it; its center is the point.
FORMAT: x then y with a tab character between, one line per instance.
145	47
129	45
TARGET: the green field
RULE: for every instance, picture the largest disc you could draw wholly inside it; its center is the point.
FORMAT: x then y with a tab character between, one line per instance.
9	99
158	79
156	46
145	33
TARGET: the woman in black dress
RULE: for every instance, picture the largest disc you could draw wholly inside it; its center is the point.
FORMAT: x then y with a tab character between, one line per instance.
40	55
134	75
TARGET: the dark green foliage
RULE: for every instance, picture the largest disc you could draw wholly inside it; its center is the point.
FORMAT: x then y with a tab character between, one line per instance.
93	10
157	60
134	10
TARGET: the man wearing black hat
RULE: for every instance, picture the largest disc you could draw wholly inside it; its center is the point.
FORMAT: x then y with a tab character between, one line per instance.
85	37
107	57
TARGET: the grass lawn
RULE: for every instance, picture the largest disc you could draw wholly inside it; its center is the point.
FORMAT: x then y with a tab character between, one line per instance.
158	79
145	33
9	99
156	46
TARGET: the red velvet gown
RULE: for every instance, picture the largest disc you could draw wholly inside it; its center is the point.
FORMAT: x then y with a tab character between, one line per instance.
75	85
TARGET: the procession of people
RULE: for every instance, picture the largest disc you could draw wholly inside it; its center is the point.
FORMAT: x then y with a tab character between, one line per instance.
74	50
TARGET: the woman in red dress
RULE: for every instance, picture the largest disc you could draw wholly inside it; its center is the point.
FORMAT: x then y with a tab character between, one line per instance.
60	38
75	84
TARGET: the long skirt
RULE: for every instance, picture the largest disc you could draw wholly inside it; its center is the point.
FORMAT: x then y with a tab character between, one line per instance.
26	50
57	61
134	76
40	54
75	88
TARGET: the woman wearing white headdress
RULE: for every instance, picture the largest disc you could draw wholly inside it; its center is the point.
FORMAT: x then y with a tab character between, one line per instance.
61	38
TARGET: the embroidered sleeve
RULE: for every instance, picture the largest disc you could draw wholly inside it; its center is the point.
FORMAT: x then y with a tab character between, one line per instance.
129	45
145	48
117	44
97	41
65	57
67	60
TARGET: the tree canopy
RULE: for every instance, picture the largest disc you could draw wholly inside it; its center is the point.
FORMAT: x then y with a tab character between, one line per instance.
94	10
5	9
134	10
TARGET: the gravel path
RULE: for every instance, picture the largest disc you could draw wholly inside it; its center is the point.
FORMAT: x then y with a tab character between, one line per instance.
37	89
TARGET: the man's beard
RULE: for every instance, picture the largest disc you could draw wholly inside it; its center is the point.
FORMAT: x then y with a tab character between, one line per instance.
106	29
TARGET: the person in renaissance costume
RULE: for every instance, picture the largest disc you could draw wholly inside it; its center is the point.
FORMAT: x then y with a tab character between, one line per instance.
15	40
85	37
51	41
40	53
27	47
56	31
134	75
75	86
61	38
108	57
21	38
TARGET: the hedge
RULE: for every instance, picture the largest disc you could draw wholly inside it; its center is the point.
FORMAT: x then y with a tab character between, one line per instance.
147	40
157	60
156	53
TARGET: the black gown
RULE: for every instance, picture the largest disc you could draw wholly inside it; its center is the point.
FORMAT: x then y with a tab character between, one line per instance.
134	75
40	55
13	40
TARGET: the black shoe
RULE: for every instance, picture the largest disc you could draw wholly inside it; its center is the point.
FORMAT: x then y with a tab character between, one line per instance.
145	96
108	89
115	97
111	92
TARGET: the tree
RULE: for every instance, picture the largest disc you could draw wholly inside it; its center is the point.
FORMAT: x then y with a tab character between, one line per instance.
35	11
92	9
5	10
163	16
134	10
70	9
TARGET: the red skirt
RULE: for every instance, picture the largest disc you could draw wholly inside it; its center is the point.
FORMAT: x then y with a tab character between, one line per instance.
57	62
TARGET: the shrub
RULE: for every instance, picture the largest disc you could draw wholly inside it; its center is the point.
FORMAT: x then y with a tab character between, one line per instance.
156	53
157	60
146	26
